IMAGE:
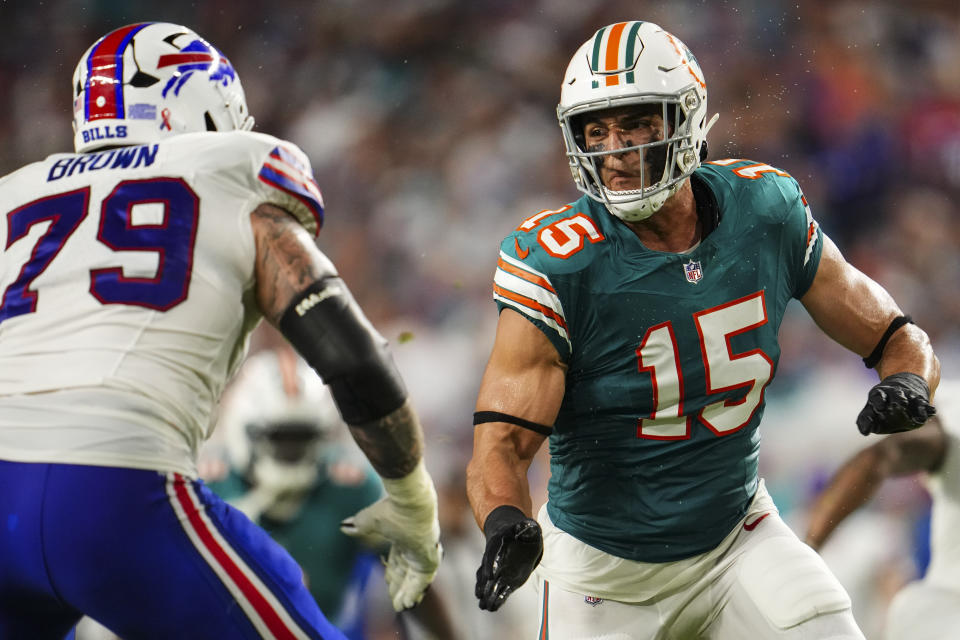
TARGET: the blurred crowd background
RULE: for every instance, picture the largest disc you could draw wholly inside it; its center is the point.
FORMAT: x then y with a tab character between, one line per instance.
432	132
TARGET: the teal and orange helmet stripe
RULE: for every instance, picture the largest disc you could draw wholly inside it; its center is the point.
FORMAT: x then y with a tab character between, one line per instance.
104	85
615	52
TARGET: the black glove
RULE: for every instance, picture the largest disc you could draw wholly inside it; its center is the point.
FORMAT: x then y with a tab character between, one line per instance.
899	402
514	548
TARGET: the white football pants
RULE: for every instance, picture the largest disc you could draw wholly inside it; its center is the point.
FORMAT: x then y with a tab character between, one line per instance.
760	583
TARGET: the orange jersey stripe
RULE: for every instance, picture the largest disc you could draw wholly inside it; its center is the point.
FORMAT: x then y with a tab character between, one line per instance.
526	275
530	303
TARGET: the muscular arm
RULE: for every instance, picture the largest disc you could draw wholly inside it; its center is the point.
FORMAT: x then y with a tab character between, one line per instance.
524	378
288	262
859	478
855	311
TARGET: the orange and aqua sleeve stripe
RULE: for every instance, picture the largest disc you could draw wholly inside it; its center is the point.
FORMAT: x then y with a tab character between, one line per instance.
529	292
812	229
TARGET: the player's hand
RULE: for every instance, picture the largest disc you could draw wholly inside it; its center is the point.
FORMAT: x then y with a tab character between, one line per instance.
899	402
514	548
406	520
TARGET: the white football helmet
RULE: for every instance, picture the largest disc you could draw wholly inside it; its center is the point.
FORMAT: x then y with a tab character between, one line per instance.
151	80
633	63
279	418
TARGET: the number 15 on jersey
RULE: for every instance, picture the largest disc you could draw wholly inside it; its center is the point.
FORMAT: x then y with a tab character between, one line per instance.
658	355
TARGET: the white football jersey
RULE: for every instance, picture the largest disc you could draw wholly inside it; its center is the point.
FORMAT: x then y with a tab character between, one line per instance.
944	486
127	282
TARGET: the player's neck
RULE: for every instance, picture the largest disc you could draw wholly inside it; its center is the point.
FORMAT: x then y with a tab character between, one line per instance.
675	228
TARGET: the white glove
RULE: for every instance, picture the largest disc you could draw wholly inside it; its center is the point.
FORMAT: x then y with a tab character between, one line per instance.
407	520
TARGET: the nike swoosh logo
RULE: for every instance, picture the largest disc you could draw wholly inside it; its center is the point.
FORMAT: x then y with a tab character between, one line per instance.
521	253
750	526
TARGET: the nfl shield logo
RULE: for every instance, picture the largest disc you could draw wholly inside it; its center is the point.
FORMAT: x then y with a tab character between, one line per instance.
693	271
592	601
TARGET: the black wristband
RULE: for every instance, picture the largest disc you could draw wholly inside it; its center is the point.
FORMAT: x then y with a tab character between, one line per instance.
911	381
874	358
503	516
482	417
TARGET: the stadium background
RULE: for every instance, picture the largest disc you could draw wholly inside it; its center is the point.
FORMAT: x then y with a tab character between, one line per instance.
431	128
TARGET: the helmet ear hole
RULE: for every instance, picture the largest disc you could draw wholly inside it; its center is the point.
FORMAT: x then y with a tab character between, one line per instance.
142	80
576	123
209	121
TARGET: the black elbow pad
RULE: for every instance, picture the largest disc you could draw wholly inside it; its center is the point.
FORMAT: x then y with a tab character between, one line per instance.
327	327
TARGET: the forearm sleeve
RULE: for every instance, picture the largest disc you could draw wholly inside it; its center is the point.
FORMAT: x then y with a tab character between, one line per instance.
327	327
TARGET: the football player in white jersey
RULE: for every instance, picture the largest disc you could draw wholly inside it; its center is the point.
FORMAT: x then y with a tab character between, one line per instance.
928	609
131	275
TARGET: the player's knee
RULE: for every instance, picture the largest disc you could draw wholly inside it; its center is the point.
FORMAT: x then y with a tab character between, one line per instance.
789	583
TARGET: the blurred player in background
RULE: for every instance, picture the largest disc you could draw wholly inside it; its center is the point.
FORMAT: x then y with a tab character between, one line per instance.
930	608
638	331
131	275
290	470
287	472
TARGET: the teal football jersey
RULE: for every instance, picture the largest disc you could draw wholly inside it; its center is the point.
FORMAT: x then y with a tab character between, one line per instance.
313	537
654	451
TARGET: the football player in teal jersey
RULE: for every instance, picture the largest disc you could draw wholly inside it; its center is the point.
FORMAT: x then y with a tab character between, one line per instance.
637	331
289	467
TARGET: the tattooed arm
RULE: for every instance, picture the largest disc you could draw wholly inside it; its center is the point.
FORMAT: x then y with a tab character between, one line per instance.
288	261
299	291
288	264
393	444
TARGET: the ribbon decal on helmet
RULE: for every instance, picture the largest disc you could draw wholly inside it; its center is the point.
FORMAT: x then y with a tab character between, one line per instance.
165	114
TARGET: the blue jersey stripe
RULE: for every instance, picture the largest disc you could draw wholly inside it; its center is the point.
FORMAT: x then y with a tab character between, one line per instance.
280	181
289	158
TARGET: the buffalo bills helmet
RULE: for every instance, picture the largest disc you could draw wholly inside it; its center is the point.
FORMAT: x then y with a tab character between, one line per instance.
151	80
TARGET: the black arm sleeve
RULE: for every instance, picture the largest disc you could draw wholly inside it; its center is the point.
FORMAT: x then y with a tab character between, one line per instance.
327	327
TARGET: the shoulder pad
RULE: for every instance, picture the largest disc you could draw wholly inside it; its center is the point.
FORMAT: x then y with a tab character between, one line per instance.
760	188
557	240
277	171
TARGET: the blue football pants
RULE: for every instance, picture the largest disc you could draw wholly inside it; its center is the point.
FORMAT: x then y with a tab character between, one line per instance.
147	554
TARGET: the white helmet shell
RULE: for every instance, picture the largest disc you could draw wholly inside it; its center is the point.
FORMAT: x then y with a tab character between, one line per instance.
151	80
633	63
275	389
